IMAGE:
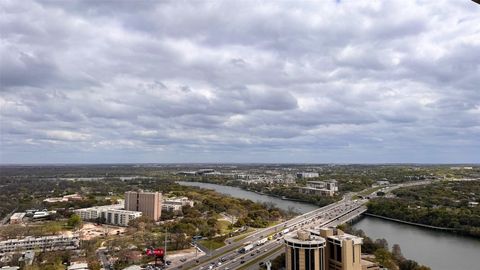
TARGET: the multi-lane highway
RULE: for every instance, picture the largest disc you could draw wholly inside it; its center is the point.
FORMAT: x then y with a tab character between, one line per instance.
230	257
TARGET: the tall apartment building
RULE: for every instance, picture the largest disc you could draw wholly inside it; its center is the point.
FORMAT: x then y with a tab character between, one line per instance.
149	203
324	249
176	203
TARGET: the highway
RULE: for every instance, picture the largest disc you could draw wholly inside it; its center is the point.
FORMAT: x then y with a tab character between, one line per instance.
229	257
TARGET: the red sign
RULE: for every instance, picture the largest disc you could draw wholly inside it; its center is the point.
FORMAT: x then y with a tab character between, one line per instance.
158	252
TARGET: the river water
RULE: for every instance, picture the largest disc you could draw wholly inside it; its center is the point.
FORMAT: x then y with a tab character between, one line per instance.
436	249
236	192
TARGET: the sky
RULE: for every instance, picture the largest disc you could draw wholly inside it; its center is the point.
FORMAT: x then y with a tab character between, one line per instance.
240	81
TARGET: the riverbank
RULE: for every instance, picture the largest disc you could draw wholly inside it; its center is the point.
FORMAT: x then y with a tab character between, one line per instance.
438	249
290	193
286	205
411	223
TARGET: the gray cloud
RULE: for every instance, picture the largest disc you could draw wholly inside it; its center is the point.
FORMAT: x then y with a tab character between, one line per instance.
225	81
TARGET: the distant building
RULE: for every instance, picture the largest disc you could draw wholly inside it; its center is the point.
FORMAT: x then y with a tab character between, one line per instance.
324	249
176	204
9	268
66	198
472	204
205	171
45	243
307	175
27	257
320	188
383	182
17	218
109	214
41	215
187	173
461	168
149	203
78	266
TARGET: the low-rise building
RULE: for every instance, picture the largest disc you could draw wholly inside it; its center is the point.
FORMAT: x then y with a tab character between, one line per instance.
17	218
45	243
41	215
383	182
320	188
176	203
109	214
9	268
307	175
78	266
472	204
66	198
27	257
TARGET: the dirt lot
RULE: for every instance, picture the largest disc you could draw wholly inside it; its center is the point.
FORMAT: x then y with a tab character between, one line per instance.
92	230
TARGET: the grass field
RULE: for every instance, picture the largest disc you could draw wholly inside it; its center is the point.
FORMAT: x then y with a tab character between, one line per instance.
212	244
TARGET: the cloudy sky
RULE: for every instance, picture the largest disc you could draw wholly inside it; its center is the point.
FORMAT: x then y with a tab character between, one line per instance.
240	81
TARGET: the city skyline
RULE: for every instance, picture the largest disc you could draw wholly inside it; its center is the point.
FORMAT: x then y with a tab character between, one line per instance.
226	82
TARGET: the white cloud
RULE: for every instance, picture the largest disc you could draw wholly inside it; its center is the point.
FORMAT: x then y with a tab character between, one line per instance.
329	81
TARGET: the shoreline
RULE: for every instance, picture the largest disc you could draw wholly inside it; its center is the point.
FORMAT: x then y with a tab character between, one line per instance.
412	223
429	227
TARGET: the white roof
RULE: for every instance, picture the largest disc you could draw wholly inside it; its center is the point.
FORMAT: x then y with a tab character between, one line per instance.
78	266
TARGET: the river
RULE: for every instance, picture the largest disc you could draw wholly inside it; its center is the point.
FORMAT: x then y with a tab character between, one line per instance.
298	207
436	249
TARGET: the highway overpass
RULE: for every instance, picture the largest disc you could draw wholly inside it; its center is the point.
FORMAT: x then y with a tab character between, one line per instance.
229	257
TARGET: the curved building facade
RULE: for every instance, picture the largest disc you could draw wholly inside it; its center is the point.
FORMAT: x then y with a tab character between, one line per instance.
304	251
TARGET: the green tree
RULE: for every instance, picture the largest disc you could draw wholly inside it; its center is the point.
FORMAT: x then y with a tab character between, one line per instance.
384	258
397	253
75	221
408	265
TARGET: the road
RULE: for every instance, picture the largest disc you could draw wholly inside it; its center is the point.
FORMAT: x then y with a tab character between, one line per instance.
228	257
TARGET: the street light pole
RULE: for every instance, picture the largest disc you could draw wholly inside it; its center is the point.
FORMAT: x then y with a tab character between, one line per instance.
165	252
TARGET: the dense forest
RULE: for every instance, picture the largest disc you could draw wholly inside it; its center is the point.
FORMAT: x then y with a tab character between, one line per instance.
442	204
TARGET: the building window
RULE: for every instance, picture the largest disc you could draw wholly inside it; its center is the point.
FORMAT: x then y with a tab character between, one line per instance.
311	258
292	258
331	249
307	259
353	253
320	259
297	259
339	253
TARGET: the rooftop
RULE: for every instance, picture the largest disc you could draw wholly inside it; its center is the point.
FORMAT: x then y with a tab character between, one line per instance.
304	238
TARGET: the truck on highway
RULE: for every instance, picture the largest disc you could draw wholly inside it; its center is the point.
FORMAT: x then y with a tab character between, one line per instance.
285	231
262	241
246	248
